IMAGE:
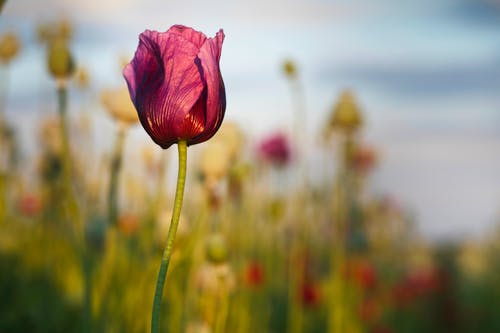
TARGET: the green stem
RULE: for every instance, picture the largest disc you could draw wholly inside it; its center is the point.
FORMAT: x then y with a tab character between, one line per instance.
167	253
87	301
160	193
72	206
116	164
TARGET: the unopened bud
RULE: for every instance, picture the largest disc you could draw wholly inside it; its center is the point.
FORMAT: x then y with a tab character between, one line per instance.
60	60
9	47
216	249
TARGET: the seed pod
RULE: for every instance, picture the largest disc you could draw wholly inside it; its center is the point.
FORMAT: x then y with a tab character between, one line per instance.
60	60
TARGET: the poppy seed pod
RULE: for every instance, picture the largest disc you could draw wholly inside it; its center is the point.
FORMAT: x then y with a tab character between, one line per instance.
216	249
176	86
59	60
289	69
346	114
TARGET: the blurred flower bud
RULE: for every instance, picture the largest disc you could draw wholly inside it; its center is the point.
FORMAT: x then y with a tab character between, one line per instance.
362	273
9	47
289	69
59	60
29	204
310	294
82	78
128	224
198	327
275	150
216	249
2	2
119	105
212	278
214	163
230	134
254	274
346	115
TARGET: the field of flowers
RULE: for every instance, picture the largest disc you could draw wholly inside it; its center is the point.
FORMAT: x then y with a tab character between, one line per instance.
259	247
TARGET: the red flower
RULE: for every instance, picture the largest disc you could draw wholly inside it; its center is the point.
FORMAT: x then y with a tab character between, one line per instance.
415	285
363	274
176	86
364	159
310	294
275	149
29	205
254	274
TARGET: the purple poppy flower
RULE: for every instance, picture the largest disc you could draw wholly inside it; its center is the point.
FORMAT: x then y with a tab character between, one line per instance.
176	86
275	149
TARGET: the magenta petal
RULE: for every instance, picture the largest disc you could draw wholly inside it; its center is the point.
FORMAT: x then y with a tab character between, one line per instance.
195	37
216	97
164	84
176	86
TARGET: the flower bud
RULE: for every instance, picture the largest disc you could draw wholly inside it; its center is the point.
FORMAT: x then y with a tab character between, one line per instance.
82	78
60	61
289	69
216	249
9	47
346	115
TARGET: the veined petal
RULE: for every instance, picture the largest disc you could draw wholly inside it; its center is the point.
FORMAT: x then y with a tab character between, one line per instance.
164	83
195	37
216	97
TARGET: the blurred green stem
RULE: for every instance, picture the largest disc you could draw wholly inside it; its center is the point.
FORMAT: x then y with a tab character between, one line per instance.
223	309
4	169
295	282
2	2
160	192
116	163
72	206
167	253
87	305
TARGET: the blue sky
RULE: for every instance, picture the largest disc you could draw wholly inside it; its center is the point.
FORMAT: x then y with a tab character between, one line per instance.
426	73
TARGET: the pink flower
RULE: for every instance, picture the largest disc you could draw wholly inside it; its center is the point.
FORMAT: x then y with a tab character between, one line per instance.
275	149
176	86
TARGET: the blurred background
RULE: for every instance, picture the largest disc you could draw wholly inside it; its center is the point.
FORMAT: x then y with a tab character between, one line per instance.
359	191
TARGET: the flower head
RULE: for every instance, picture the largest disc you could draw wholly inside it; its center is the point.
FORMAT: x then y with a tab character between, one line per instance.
346	115
176	86
275	149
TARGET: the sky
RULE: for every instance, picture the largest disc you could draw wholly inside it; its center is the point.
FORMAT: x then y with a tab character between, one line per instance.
426	75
